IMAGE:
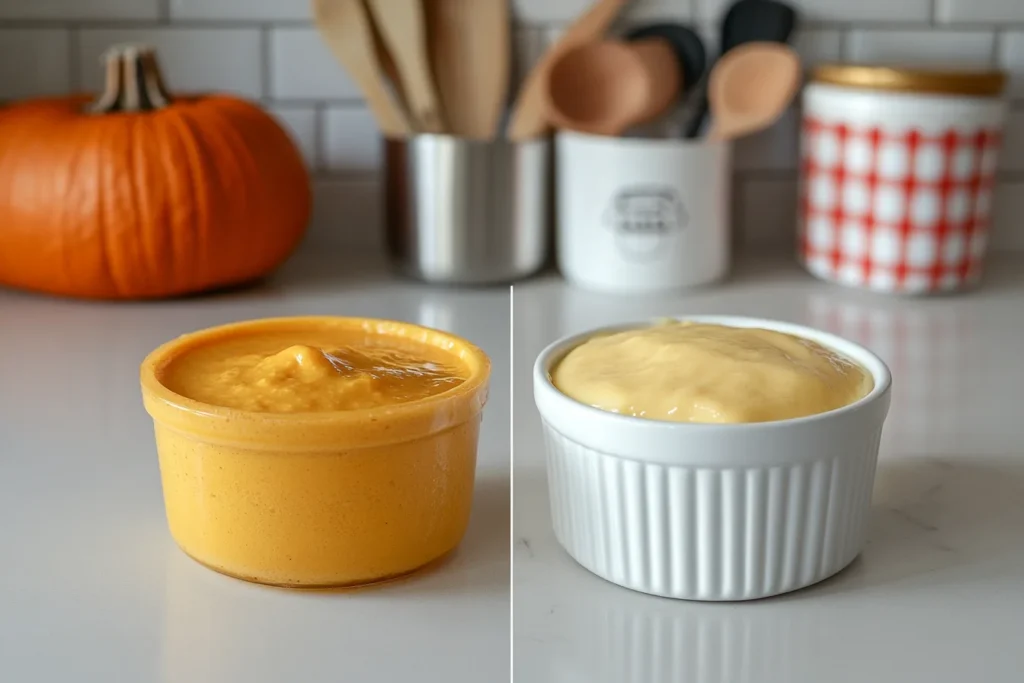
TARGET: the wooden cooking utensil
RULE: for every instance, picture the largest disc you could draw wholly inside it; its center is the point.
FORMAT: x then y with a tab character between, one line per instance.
345	26
605	87
470	49
747	21
402	26
688	45
529	115
387	66
750	87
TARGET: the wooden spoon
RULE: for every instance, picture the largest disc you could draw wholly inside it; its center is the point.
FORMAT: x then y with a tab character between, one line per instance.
605	87
345	26
750	87
388	68
403	28
529	115
747	21
470	48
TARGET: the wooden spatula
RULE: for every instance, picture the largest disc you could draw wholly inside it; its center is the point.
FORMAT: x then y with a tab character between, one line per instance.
345	26
529	119
388	68
403	27
470	49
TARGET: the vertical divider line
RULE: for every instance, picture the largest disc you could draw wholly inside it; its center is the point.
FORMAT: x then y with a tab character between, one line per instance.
511	480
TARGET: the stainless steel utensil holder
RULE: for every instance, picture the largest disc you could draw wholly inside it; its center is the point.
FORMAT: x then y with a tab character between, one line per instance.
461	211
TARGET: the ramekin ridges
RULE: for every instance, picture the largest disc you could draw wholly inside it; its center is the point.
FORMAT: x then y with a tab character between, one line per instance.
712	512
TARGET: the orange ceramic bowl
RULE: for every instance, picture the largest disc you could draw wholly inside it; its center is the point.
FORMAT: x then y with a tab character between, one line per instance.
323	498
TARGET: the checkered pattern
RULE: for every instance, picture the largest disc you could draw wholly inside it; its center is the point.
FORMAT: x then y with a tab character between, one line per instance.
896	211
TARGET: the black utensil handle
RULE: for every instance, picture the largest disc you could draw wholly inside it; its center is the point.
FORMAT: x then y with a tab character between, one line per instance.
697	122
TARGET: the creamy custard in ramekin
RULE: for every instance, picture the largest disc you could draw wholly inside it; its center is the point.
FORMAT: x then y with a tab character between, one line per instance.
704	372
316	451
774	496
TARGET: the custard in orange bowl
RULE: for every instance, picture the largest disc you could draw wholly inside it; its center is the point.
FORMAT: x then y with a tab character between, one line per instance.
316	451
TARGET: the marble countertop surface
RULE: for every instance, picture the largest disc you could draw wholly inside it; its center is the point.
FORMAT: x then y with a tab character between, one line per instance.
937	596
93	589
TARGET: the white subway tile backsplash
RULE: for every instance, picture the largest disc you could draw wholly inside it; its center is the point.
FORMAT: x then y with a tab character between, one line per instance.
1011	58
248	10
818	45
640	11
302	67
838	10
776	148
301	124
814	45
34	62
767	214
922	47
346	213
194	59
73	10
1007	228
979	11
268	49
1011	157
544	11
352	143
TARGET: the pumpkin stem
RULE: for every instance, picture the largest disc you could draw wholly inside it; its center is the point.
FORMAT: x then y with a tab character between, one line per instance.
134	82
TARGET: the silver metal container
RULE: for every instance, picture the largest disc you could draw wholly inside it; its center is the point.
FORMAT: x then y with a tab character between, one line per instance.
463	211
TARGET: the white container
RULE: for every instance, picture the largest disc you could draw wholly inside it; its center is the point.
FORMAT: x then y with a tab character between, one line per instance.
898	176
705	511
641	215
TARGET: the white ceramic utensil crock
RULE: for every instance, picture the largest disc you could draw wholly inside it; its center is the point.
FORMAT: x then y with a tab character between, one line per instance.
709	511
641	215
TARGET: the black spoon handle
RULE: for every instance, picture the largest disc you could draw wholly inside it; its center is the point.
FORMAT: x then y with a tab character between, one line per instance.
699	110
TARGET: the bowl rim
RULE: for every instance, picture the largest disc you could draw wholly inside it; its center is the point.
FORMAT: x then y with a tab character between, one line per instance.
432	413
555	351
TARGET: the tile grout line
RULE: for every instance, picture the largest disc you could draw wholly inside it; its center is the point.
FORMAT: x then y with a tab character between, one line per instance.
265	59
157	22
341	102
319	137
74	47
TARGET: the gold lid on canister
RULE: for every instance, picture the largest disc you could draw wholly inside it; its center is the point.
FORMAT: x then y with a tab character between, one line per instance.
912	80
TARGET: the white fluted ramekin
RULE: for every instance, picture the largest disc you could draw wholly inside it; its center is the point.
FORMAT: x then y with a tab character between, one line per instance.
707	511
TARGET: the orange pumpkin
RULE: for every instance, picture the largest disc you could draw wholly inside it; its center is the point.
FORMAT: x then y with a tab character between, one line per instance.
140	196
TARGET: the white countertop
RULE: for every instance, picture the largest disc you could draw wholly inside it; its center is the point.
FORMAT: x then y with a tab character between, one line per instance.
93	589
938	593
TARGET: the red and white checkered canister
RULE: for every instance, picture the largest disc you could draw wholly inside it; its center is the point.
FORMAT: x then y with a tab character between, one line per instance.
898	171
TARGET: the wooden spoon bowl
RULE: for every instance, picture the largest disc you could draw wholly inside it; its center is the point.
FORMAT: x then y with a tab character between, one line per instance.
750	87
604	87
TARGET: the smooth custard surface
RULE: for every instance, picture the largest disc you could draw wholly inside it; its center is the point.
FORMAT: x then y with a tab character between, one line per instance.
698	372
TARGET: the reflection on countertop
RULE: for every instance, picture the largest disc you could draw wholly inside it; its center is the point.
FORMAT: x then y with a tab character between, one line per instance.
938	593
